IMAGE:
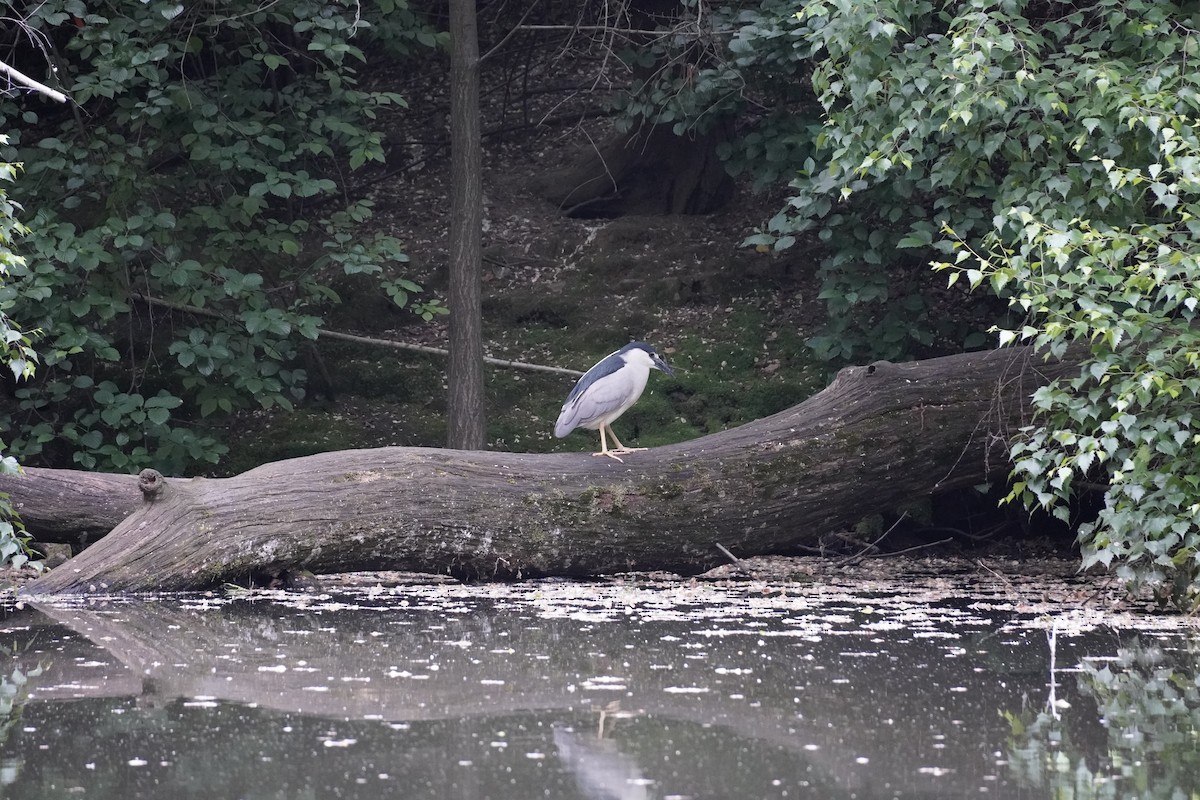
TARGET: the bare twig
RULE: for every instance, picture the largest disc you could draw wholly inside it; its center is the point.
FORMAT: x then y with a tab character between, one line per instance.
915	547
854	559
979	562
519	26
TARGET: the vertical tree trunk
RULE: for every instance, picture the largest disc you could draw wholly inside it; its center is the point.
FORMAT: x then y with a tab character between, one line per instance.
466	428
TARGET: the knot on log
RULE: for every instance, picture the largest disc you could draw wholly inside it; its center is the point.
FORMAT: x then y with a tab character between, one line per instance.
151	482
856	376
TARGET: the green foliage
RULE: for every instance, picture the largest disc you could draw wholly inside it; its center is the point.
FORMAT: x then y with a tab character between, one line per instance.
16	351
16	348
186	224
1094	242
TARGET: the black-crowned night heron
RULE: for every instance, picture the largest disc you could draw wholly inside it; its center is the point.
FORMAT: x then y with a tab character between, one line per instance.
606	391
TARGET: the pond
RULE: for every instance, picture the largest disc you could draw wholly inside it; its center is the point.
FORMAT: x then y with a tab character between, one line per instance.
933	686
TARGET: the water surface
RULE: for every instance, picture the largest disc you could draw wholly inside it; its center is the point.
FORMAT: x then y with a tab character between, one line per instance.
595	691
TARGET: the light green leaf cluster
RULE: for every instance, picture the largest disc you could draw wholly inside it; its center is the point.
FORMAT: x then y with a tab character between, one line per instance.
16	347
17	353
203	182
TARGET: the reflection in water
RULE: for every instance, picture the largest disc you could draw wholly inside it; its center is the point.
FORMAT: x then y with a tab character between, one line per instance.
601	770
1147	701
14	694
582	692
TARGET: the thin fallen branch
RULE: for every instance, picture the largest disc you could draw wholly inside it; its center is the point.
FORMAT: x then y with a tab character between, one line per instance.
16	76
626	32
437	351
725	552
371	340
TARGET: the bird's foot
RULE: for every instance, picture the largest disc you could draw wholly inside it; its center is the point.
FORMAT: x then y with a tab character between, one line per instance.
617	452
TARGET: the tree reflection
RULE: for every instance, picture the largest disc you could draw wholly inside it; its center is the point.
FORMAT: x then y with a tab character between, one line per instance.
1144	704
14	693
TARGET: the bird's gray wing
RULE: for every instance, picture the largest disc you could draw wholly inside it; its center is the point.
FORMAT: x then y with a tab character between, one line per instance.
604	367
601	396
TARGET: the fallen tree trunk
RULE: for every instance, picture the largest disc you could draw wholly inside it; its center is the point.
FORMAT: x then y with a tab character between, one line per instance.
876	438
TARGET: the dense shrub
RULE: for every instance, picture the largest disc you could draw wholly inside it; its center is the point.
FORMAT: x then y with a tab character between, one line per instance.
187	215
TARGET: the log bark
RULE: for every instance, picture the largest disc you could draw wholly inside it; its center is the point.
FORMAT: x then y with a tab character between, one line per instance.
876	438
74	507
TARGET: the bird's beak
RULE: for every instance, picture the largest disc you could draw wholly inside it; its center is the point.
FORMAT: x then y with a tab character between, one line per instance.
662	365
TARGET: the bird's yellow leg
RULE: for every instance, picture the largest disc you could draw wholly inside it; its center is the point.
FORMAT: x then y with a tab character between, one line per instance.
620	447
604	451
